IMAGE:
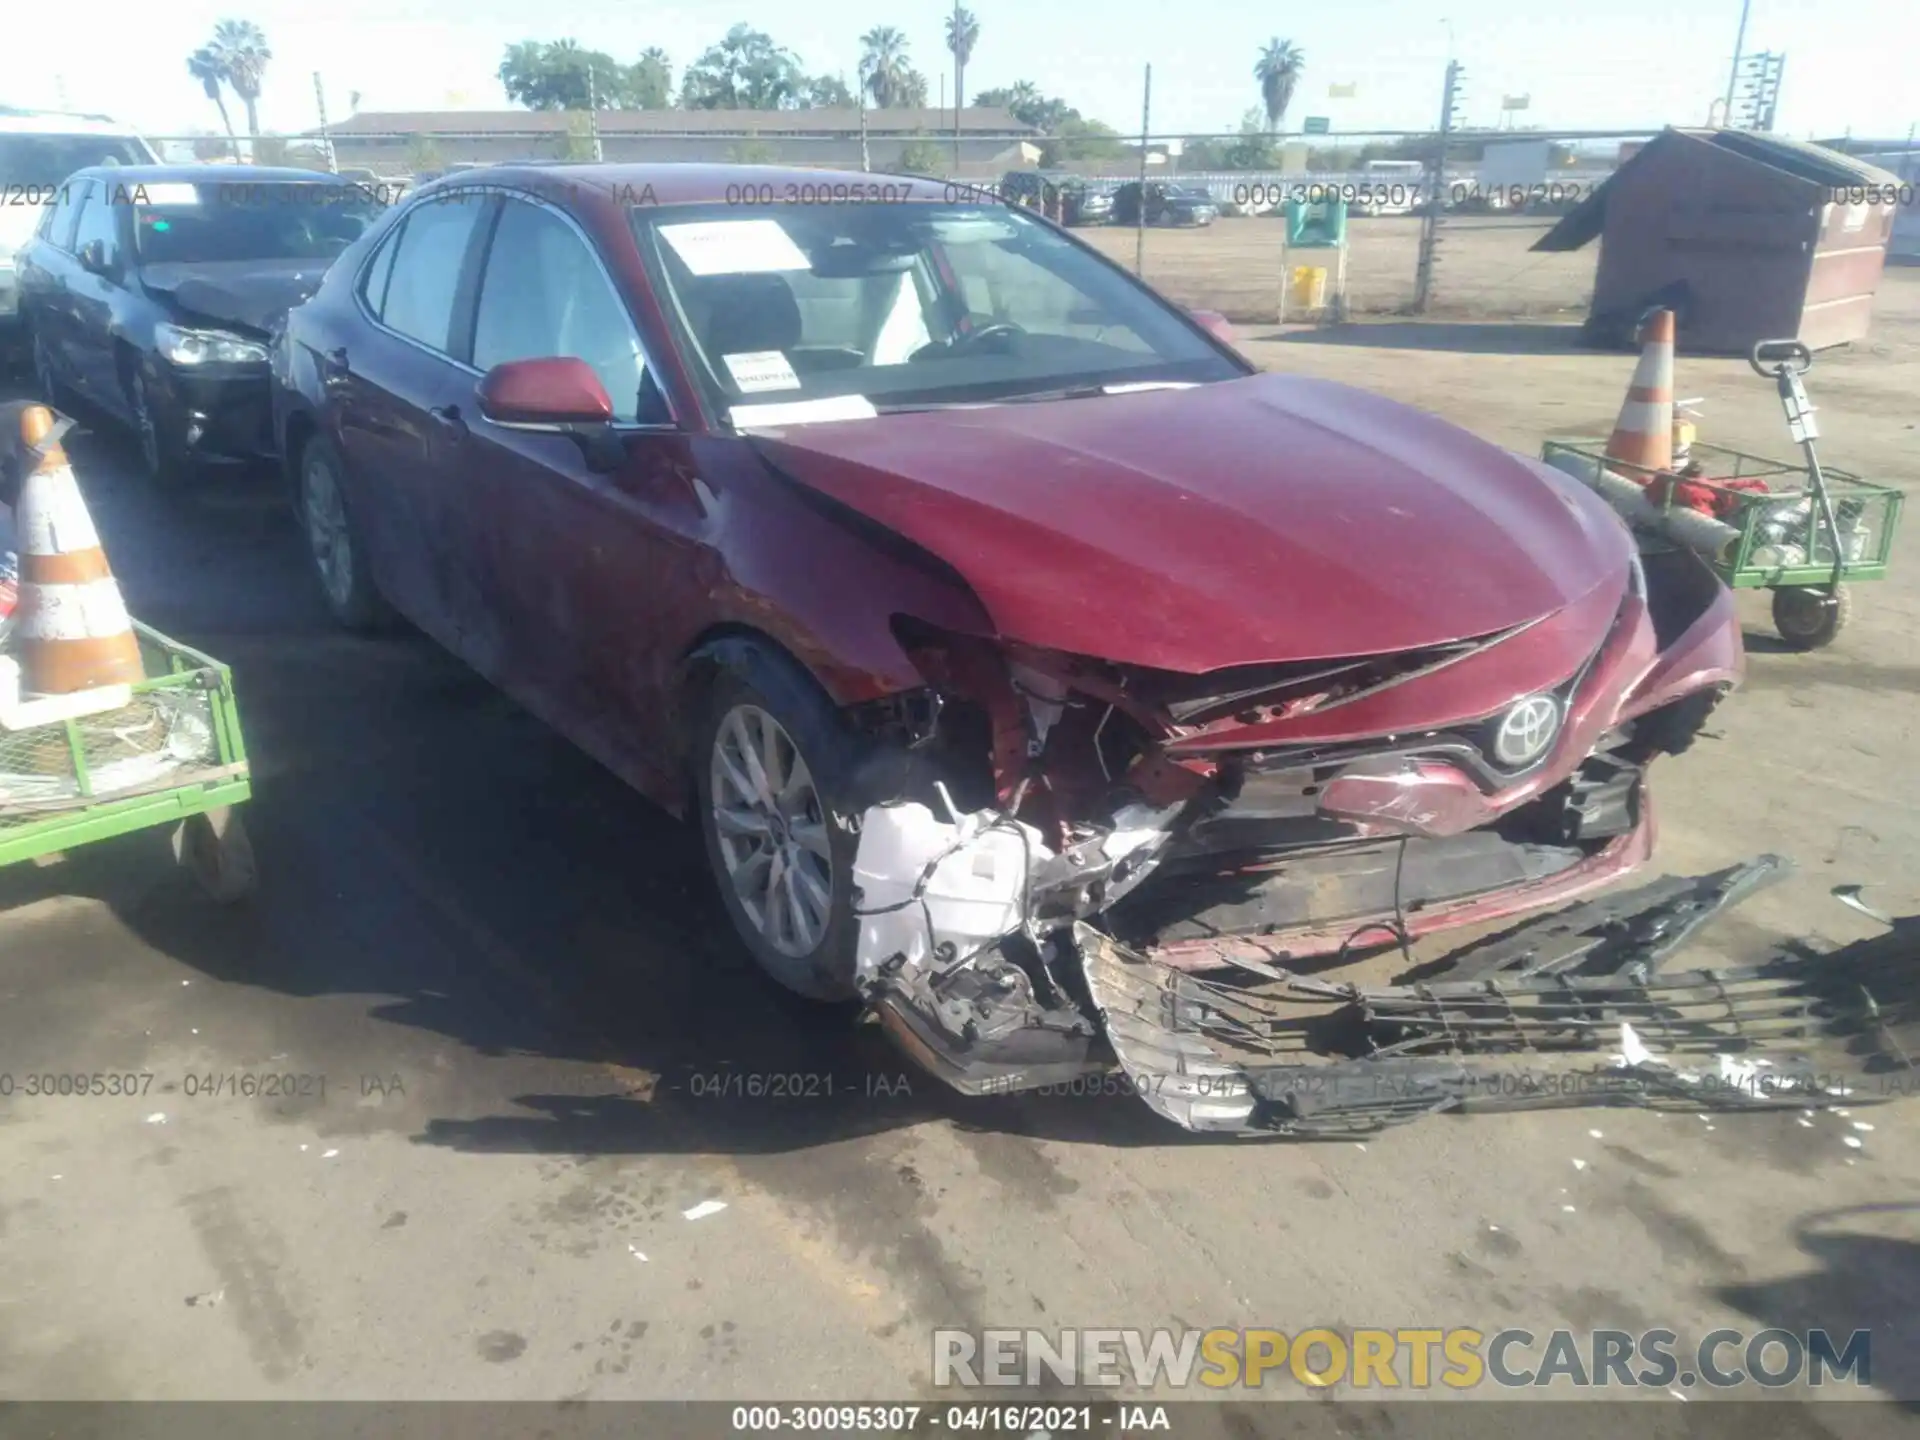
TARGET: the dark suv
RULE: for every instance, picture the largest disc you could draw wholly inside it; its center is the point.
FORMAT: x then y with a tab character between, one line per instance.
1166	204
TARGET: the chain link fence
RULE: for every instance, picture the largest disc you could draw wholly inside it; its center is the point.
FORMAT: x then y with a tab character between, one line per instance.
1496	193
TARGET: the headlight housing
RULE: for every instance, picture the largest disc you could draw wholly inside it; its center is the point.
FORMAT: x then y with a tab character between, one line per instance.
181	346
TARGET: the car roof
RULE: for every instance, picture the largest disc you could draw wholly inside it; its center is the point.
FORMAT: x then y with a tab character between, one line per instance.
209	174
675	184
60	122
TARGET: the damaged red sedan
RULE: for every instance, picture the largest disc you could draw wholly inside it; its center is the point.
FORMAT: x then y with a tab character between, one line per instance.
973	599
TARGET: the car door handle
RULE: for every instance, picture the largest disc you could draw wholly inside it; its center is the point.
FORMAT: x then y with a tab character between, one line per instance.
448	417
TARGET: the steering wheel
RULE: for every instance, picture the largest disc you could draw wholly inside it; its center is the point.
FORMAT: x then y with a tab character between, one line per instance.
974	339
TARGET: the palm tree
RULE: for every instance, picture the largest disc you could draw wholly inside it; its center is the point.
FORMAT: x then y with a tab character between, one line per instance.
1278	71
204	65
884	67
242	49
963	33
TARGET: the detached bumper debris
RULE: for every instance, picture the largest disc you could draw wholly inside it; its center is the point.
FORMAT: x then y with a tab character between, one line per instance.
1578	1007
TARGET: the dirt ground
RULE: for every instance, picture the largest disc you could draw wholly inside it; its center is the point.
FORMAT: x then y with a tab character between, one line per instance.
512	974
1483	270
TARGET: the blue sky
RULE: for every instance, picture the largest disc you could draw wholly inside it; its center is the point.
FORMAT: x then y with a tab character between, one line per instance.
1625	63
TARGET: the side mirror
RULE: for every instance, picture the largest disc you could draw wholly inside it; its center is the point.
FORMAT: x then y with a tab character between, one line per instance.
1215	324
93	257
558	394
548	394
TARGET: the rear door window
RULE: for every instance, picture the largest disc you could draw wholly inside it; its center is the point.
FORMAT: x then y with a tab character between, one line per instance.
373	284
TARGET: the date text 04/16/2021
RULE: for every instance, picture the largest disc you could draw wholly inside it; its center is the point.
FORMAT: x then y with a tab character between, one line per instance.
972	1418
793	1085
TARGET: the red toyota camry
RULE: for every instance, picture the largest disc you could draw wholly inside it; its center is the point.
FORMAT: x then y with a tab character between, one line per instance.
970	597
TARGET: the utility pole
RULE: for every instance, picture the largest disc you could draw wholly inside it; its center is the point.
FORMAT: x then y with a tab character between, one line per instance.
326	137
1140	211
958	98
593	114
1733	70
866	164
1436	191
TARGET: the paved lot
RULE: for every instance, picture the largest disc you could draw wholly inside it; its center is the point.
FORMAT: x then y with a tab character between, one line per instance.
515	985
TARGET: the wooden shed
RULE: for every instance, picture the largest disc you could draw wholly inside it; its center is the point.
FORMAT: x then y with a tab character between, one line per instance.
1746	236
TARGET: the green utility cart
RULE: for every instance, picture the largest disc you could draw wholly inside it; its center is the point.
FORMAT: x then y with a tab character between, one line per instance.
172	756
1804	531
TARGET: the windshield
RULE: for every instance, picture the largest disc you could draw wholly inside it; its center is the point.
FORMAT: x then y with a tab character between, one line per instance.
201	224
905	306
33	160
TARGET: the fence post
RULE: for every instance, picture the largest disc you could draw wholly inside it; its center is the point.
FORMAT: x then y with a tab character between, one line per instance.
1436	199
1140	209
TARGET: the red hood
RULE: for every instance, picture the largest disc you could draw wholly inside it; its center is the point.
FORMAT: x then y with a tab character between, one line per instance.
1271	518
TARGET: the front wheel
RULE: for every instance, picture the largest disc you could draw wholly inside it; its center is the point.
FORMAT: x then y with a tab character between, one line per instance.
157	430
333	541
46	382
772	769
1810	619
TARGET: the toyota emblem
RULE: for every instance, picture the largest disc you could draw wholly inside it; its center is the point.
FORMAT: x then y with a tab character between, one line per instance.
1526	731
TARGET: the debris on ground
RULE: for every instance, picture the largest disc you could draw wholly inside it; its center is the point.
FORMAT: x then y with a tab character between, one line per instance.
703	1209
1525	1020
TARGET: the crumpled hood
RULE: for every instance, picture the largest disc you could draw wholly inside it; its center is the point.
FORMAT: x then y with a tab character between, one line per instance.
247	295
1270	518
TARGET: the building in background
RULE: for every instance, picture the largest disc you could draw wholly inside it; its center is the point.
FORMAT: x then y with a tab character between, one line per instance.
393	142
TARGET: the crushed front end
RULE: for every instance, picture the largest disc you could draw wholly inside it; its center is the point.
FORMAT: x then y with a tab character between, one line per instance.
1035	816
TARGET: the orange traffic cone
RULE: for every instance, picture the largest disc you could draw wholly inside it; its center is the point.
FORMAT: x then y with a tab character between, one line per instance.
71	627
1642	437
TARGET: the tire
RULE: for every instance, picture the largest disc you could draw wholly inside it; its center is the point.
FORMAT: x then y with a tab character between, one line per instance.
806	944
45	383
1806	620
213	846
334	546
163	460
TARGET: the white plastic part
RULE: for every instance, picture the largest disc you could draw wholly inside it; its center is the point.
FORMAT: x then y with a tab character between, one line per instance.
925	882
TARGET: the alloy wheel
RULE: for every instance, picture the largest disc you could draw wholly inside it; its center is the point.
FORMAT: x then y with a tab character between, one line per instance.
772	830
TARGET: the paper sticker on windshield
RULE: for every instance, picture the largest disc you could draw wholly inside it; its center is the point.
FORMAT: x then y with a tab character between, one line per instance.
761	370
802	412
165	193
971	229
735	247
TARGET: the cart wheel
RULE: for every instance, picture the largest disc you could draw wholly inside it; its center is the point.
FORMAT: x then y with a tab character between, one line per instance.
1807	619
215	848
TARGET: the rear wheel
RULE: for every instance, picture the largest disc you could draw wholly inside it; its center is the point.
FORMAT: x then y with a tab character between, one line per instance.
1811	619
214	848
773	765
333	540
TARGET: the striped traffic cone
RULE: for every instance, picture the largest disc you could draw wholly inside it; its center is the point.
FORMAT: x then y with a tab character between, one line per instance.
1642	438
71	628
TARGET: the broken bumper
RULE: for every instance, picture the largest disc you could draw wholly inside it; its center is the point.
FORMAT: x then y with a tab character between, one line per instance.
1576	1008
